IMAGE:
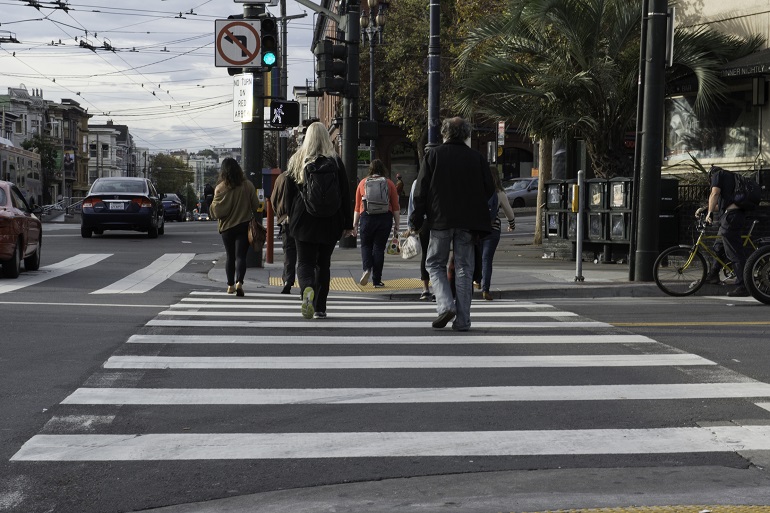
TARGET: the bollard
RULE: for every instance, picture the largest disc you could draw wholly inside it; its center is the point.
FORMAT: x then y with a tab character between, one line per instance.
577	200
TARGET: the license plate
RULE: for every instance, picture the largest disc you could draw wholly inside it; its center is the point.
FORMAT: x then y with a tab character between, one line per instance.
116	206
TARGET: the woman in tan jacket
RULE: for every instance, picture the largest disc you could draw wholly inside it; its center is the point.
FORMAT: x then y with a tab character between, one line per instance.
235	202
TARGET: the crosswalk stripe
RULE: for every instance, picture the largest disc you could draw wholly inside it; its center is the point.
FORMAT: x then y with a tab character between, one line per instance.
52	271
361	315
386	340
293	301
254	396
389	325
400	362
248	446
149	277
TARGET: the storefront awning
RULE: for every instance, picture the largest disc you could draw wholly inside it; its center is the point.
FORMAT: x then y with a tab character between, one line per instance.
755	64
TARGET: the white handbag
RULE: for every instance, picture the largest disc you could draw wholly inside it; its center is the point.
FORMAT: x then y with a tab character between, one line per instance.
410	247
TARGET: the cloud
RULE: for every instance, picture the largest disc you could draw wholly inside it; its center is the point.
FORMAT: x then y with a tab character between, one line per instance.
148	65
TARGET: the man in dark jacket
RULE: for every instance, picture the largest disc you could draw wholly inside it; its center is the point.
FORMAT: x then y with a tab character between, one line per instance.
281	209
730	223
452	190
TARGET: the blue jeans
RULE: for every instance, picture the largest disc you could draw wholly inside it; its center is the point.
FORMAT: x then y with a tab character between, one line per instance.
488	248
461	241
375	233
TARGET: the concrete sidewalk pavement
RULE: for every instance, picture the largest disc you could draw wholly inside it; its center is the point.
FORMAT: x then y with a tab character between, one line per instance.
519	271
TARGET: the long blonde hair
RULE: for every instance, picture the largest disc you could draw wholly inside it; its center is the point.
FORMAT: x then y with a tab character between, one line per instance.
317	142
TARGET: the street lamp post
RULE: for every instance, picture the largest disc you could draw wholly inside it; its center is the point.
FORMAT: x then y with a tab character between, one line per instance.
372	31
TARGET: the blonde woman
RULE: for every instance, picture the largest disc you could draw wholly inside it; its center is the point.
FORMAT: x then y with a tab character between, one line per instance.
315	235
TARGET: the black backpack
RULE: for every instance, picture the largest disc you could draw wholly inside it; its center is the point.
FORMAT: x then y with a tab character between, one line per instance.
748	193
321	191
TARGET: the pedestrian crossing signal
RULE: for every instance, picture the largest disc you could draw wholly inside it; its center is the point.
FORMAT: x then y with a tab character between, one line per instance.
284	114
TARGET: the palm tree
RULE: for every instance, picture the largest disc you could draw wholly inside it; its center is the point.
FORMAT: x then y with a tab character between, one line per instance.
569	69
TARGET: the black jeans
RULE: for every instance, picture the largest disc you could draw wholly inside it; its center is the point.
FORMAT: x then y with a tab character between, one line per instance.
730	228
289	255
375	234
314	262
236	241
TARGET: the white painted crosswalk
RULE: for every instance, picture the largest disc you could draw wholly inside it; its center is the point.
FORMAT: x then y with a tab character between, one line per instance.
258	355
138	282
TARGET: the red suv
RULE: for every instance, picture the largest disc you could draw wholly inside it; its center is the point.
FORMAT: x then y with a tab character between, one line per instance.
21	234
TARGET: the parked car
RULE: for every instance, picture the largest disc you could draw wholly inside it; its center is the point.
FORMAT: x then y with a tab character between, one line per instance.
522	192
122	203
174	208
21	234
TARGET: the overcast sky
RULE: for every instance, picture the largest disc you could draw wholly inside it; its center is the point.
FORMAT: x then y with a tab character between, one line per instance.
160	80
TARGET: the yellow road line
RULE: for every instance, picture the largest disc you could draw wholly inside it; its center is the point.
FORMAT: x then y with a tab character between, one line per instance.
671	509
692	323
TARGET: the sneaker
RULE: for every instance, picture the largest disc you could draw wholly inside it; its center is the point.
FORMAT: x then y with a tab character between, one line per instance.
378	284
286	288
425	295
307	303
443	319
365	277
739	292
486	295
319	315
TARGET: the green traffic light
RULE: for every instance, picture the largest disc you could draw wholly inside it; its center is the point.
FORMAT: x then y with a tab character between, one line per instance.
268	59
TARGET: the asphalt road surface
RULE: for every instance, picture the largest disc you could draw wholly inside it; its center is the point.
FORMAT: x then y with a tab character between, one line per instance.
131	381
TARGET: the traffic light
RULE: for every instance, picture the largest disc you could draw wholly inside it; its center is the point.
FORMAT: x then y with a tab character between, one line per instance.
330	66
269	37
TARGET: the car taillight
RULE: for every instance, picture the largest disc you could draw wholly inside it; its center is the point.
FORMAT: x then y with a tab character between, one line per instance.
89	202
143	202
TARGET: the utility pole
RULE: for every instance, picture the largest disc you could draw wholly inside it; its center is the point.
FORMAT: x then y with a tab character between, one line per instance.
350	106
434	73
282	156
652	140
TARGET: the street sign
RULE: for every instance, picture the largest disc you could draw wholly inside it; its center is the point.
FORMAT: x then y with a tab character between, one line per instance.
237	43
243	97
283	113
501	133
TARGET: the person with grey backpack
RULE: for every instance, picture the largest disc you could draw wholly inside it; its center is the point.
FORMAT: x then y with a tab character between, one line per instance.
375	217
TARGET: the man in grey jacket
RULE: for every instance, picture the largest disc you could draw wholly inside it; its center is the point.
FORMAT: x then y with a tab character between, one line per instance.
452	190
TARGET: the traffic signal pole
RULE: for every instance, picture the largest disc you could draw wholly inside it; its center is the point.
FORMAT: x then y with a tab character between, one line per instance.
253	132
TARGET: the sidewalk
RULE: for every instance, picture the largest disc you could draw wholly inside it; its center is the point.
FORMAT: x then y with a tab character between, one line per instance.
520	271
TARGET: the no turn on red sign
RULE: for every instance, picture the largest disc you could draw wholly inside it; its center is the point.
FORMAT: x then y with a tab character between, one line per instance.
237	43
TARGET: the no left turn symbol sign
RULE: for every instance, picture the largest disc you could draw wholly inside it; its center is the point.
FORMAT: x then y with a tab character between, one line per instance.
237	42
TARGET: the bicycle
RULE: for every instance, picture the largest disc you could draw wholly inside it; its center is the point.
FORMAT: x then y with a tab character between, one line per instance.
681	270
756	275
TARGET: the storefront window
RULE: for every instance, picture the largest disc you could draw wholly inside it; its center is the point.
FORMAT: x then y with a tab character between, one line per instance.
728	131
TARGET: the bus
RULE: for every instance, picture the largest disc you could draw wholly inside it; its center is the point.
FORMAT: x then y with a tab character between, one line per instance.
22	168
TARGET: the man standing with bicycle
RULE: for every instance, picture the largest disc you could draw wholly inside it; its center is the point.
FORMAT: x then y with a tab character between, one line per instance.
731	222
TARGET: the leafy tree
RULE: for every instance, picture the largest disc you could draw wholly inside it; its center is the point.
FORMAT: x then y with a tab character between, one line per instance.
208	153
48	153
170	174
569	69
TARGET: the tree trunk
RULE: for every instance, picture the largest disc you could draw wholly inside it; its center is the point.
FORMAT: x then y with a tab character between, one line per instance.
544	172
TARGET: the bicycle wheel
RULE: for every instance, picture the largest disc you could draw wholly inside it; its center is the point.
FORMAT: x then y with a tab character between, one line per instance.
756	275
675	276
